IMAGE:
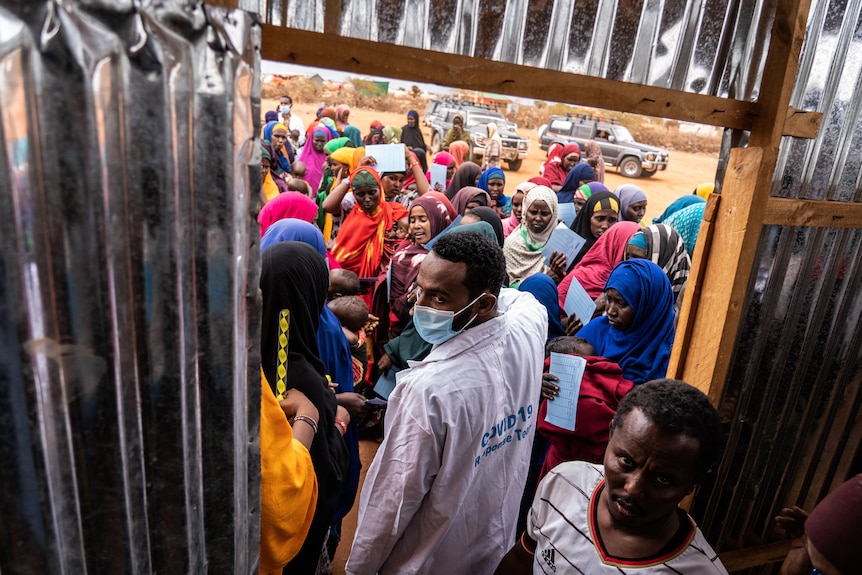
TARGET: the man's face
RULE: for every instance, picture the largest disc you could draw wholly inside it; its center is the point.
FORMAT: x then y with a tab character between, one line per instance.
441	286
647	474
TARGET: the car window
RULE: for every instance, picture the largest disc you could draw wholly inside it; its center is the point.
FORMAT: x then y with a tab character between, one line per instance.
622	134
561	126
583	131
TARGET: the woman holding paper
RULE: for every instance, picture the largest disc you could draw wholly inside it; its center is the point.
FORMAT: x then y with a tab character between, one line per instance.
523	248
364	245
638	330
593	271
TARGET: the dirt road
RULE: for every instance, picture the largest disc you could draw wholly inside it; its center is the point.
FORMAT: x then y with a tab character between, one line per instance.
684	172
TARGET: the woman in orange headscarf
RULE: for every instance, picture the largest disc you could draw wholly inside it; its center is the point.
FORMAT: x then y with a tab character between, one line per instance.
366	240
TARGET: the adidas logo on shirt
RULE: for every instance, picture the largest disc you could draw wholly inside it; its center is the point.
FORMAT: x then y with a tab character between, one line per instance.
548	556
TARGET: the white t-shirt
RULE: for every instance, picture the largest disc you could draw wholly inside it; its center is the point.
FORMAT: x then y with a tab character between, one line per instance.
561	522
443	492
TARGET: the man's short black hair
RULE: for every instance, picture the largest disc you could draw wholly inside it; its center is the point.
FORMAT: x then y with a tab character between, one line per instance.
677	407
486	266
289	99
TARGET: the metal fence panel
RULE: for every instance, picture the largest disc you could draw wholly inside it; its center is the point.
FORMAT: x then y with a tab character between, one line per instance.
128	288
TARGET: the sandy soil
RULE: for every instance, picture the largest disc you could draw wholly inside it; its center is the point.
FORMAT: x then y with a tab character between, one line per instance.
685	171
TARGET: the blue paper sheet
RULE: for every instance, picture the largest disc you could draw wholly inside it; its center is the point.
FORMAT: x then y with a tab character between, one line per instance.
438	176
563	240
566	212
386	384
569	369
389	157
579	302
455	223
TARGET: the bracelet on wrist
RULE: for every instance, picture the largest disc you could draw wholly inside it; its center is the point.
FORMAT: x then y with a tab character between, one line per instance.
306	419
339	423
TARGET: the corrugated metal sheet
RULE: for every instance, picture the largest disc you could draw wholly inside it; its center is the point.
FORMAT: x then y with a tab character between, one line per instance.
793	398
715	47
127	293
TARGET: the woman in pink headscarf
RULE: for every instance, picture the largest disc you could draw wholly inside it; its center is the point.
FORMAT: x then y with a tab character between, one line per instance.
287	205
342	117
314	156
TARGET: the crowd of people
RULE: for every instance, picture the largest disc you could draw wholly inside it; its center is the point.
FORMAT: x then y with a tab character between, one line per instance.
442	304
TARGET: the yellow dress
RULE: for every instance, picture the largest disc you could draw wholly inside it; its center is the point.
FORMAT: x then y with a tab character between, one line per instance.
288	487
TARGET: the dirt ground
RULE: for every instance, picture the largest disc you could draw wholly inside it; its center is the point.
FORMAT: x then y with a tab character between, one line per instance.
685	171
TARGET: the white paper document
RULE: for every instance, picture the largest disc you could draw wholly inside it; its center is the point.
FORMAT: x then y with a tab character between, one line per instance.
570	371
438	176
565	241
579	302
389	157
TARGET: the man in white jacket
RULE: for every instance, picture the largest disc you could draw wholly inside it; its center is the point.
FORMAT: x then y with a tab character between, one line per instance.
443	492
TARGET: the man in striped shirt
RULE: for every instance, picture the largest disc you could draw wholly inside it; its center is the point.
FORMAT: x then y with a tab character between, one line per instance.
623	516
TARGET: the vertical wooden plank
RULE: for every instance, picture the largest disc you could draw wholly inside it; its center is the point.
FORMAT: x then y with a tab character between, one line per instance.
726	270
691	296
701	356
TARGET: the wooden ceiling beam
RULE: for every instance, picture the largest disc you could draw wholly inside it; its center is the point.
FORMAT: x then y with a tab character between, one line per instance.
325	50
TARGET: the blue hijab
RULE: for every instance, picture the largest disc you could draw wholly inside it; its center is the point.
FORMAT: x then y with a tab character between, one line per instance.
544	289
582	171
282	162
678	205
293	230
643	350
333	349
495	174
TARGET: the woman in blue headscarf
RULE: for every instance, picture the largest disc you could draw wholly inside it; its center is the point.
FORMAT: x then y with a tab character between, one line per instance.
678	205
493	181
544	289
581	174
275	134
637	332
334	352
687	222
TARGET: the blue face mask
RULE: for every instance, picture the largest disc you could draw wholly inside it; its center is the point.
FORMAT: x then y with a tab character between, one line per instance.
285	109
435	325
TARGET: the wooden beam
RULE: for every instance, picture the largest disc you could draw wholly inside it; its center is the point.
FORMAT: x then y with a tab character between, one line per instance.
779	73
723	273
813	213
693	289
749	557
802	123
328	50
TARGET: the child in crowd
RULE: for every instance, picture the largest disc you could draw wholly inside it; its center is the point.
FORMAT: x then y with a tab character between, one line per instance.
343	282
602	388
295	184
403	229
352	312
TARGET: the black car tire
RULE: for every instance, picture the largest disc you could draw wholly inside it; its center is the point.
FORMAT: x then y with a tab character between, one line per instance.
515	165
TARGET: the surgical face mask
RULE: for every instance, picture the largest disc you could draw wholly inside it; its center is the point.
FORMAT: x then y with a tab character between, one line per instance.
284	109
435	325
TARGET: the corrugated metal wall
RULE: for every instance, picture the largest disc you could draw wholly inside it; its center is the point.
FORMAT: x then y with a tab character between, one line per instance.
793	398
715	47
128	396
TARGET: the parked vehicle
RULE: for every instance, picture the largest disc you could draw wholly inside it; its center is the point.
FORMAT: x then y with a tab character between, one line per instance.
619	147
440	113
